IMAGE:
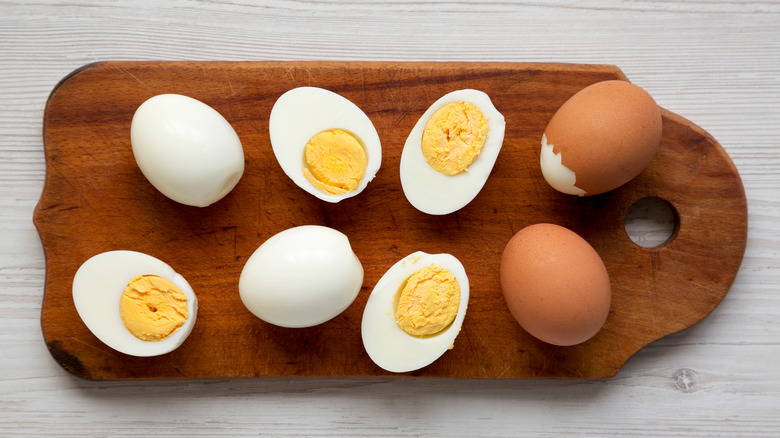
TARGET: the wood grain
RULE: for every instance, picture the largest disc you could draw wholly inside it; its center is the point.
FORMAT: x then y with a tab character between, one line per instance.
95	199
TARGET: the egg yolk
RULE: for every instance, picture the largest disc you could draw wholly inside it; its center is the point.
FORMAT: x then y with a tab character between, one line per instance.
335	161
454	137
152	307
428	302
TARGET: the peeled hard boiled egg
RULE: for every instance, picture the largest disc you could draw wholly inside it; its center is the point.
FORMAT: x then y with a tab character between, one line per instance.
415	311
134	303
186	149
324	143
450	152
555	284
601	138
301	277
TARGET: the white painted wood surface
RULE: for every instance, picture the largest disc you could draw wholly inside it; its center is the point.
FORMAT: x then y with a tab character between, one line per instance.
715	62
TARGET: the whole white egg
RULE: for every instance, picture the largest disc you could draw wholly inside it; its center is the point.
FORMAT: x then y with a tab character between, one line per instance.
436	193
304	112
186	149
97	291
301	277
387	344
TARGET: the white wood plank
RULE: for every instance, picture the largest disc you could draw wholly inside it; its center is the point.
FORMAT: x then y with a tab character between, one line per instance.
715	62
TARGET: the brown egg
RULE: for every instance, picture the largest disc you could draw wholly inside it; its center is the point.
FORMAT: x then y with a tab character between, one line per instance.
601	138
555	284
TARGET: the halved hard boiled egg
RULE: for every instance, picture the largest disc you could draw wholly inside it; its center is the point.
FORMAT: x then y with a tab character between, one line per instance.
324	143
450	152
415	311
134	303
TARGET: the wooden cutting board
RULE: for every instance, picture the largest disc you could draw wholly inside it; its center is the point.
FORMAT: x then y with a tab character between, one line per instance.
95	199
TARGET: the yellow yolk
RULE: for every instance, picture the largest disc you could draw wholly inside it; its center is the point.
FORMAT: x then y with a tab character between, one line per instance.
454	137
335	162
152	307
428	302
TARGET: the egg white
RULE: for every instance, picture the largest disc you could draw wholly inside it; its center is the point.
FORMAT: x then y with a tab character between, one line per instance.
434	193
97	290
186	149
386	343
301	113
560	177
301	277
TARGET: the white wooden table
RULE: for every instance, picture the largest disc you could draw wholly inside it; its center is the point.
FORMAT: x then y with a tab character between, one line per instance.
715	62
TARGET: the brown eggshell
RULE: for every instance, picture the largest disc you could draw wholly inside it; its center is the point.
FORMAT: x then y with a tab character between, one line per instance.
555	284
607	134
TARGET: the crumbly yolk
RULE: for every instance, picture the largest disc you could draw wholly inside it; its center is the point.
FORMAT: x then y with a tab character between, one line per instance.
152	307
335	162
428	302
454	137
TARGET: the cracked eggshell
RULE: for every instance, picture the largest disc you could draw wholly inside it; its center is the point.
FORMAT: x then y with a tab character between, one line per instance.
601	138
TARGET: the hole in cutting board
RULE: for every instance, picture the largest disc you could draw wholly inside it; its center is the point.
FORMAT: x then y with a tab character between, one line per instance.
651	222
